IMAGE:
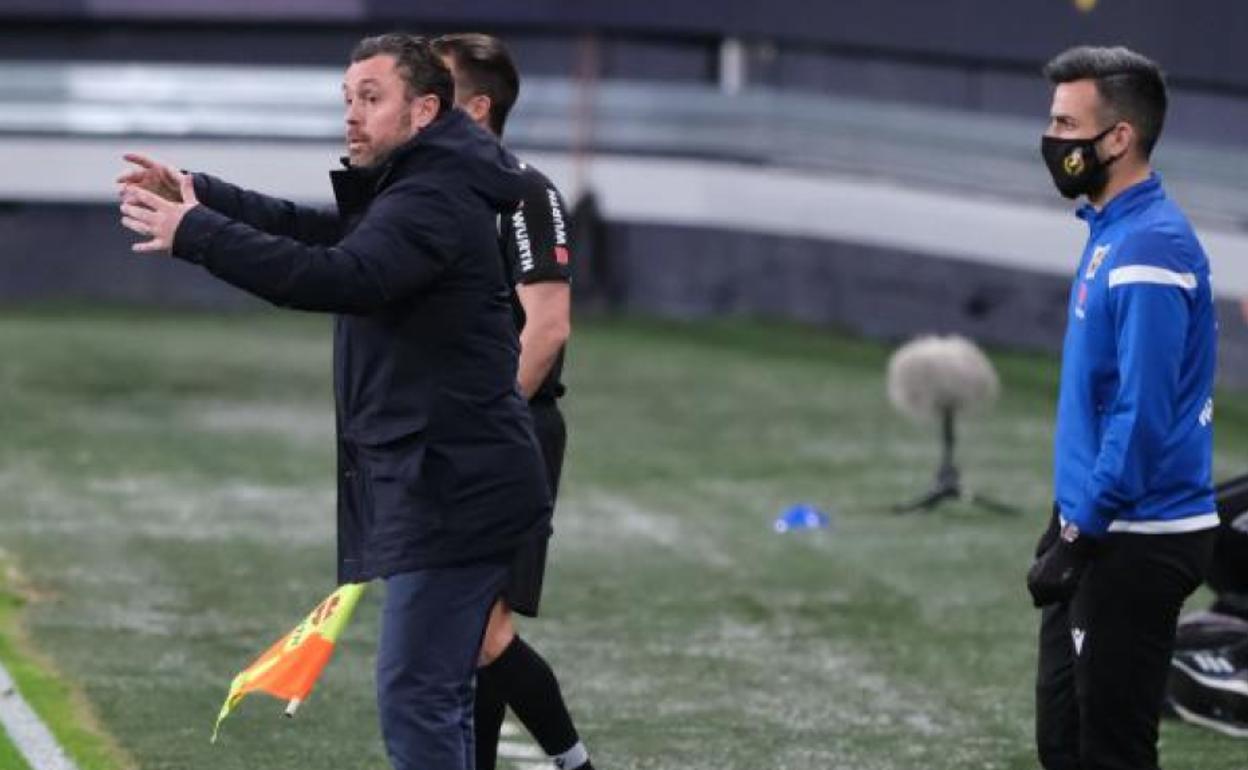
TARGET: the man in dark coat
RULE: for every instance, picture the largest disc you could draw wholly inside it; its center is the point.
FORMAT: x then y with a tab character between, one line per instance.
440	478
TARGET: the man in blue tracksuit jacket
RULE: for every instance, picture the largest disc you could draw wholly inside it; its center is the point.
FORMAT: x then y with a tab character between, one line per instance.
1134	518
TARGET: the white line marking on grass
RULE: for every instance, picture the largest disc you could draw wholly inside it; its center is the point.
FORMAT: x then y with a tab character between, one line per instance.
516	751
27	731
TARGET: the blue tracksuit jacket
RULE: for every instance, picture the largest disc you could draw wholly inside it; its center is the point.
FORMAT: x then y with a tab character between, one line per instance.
1134	440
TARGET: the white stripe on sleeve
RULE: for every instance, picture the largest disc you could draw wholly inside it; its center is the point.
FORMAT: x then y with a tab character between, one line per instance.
1167	526
1149	274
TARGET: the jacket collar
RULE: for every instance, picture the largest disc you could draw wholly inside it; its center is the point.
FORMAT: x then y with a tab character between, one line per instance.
356	186
1125	203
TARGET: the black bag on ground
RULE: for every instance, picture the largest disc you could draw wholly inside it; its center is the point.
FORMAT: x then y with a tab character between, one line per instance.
1228	574
1208	683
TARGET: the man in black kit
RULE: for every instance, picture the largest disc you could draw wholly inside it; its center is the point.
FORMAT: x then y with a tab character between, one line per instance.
538	261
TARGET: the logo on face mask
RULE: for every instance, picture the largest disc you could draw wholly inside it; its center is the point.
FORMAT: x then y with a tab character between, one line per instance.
1074	164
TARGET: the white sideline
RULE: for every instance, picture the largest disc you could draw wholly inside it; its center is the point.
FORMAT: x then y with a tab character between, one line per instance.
27	731
515	750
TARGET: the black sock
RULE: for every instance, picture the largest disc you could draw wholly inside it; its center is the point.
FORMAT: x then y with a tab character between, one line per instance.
487	718
527	684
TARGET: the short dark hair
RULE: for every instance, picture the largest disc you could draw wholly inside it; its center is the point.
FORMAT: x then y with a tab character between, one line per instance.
418	64
486	67
1132	87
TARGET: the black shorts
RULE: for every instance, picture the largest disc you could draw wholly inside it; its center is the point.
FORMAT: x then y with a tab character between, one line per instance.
524	585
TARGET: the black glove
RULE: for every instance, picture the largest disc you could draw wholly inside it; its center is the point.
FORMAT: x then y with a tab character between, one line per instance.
1054	576
1050	534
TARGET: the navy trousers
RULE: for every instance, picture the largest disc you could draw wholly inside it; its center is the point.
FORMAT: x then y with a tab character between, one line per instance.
432	624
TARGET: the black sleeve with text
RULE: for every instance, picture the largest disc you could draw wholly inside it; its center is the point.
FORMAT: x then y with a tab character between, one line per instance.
537	234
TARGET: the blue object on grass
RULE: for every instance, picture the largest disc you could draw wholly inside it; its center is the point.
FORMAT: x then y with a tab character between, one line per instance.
802	516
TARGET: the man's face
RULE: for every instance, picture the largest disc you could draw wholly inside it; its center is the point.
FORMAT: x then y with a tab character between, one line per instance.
1076	111
1079	113
476	105
381	116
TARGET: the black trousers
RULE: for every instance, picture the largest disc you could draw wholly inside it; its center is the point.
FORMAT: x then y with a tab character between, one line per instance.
1105	655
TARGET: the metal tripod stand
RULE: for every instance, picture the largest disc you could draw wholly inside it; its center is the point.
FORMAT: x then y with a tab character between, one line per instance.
948	484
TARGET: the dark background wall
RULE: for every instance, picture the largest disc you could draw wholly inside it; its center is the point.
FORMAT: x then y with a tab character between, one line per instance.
968	54
981	55
1198	39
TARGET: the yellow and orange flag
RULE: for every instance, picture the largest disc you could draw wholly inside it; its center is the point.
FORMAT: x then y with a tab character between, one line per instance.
289	669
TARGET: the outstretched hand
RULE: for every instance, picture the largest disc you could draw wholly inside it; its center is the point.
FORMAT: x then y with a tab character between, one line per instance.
150	214
152	176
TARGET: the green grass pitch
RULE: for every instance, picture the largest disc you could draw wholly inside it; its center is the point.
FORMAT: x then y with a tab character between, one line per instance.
166	489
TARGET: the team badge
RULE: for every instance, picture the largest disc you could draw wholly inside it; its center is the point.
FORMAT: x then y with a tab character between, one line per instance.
1094	264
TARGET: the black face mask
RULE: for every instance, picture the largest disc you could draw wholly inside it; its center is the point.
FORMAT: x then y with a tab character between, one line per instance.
1074	165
